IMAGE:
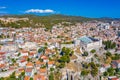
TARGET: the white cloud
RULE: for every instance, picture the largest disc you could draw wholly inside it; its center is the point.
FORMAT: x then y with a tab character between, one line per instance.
39	11
2	7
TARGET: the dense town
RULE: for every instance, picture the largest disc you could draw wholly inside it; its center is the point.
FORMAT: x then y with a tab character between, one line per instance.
84	51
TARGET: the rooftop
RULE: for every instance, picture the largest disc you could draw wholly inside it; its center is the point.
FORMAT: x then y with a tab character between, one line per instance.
87	40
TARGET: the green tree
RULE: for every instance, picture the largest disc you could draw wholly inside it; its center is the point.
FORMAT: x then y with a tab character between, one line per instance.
40	50
93	51
51	76
61	65
13	60
28	59
23	73
12	75
85	53
94	72
72	52
116	56
109	44
105	74
110	71
117	70
108	54
51	69
64	59
31	78
19	54
1	78
84	72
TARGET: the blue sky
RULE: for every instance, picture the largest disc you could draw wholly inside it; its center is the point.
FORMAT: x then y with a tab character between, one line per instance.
87	8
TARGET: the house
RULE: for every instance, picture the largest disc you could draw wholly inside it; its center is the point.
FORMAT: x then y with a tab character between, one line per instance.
106	66
102	70
29	45
22	63
39	77
24	57
19	71
39	64
113	78
43	71
2	57
24	53
51	64
29	72
29	65
2	66
116	63
27	78
49	52
45	58
32	54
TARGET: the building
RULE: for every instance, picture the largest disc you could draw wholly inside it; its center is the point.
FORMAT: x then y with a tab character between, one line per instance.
103	26
116	63
89	43
113	78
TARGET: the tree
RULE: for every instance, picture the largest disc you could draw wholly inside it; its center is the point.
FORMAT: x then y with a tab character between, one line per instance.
105	73
1	78
19	54
40	50
92	64
46	44
110	71
84	72
94	69
93	51
116	56
12	75
85	53
108	54
23	74
41	60
109	44
61	65
64	59
85	65
31	78
113	45
117	70
13	60
51	69
94	72
28	59
51	76
72	52
63	49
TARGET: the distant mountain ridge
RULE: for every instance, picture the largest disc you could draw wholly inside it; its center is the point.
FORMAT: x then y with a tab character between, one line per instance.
49	20
60	15
78	18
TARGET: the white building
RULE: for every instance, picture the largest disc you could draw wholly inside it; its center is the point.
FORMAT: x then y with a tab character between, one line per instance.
103	26
89	43
28	45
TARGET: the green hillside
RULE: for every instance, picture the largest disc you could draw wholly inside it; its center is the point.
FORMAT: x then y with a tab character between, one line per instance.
42	21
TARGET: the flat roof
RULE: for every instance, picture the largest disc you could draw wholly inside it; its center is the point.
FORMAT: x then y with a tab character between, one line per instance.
87	39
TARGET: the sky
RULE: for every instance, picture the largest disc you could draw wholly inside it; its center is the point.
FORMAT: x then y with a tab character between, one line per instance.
86	8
